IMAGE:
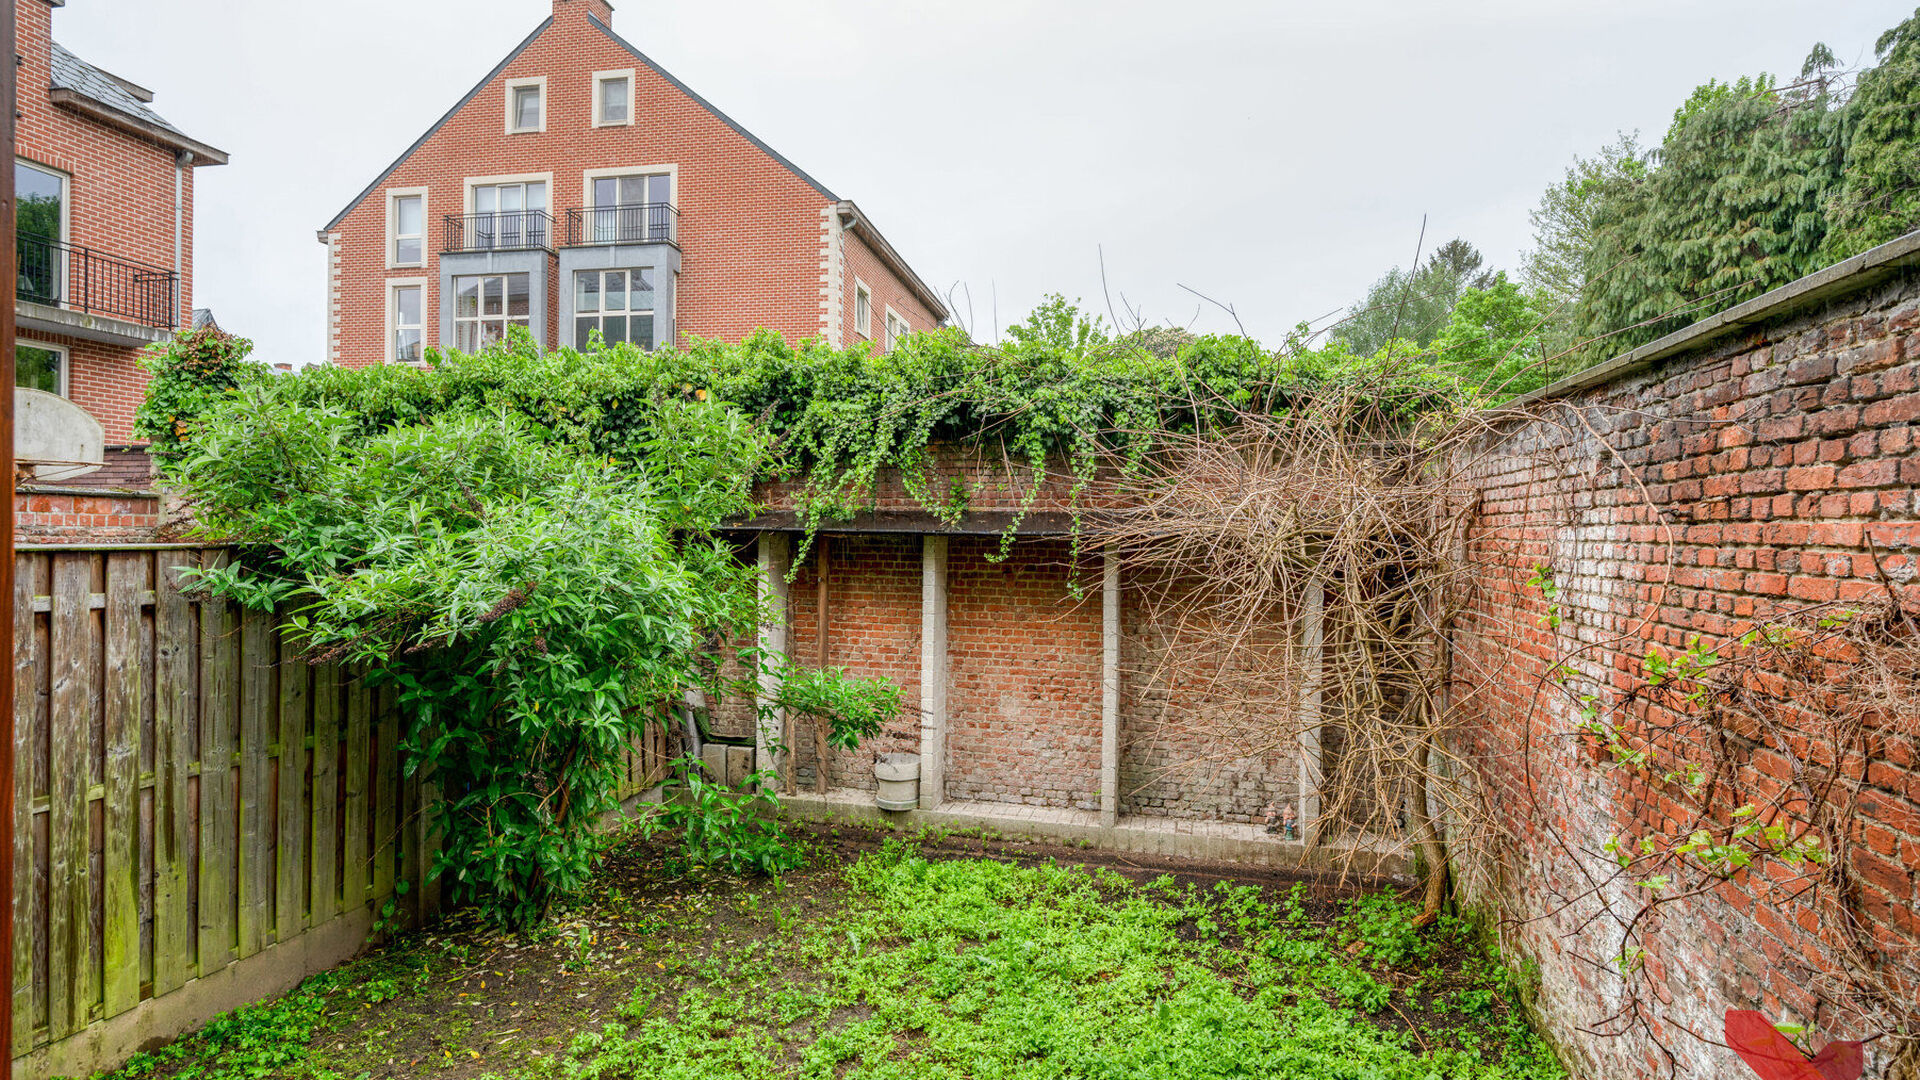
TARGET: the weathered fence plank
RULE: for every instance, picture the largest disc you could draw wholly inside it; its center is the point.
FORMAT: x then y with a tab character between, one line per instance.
325	857
386	817
29	735
219	666
354	821
174	931
290	864
255	765
70	648
125	690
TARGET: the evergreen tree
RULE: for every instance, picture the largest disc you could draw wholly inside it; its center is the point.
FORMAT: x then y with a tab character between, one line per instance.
1878	197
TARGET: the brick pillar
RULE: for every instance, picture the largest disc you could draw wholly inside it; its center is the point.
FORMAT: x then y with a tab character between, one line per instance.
1109	689
933	672
776	555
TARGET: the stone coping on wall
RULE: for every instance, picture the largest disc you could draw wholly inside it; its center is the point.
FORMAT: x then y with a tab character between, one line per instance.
1848	275
1177	838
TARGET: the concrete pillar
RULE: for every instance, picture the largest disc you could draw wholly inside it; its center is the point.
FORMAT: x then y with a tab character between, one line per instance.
1313	674
1109	689
770	735
933	672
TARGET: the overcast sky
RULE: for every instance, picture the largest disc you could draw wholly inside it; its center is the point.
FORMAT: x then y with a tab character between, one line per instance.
1274	155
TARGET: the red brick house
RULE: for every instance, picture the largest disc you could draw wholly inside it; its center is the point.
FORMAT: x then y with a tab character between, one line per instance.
579	188
105	192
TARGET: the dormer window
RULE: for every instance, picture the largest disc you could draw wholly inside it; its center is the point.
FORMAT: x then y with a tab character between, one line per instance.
612	98
526	105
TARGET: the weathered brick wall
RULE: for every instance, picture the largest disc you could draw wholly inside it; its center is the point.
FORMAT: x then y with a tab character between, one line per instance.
61	515
1745	478
873	630
1191	747
1024	704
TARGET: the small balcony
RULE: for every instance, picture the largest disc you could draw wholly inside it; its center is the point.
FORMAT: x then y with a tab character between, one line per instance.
68	289
502	230
632	223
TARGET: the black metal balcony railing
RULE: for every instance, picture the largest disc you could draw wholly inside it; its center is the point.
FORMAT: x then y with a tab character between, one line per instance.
82	279
502	230
633	223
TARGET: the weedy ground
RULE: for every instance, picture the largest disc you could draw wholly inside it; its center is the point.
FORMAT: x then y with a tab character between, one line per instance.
890	958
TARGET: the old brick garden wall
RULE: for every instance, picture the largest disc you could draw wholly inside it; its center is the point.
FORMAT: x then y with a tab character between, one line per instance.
1761	462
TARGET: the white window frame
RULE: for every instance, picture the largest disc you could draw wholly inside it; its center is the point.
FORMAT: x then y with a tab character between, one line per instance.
66	360
66	226
905	327
394	285
394	195
862	320
508	178
599	77
513	88
671	172
505	319
573	302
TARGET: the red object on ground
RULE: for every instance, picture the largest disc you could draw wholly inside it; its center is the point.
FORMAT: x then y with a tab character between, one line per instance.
1774	1057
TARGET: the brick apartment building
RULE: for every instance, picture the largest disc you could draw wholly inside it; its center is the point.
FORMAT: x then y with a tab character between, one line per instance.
105	193
580	187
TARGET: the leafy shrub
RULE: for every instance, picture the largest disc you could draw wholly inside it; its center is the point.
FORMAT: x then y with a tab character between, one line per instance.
1385	926
187	377
737	832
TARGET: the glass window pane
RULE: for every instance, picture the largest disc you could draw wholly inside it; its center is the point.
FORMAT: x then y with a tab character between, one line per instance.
526	107
466	336
406	216
486	199
466	297
407	250
606	191
616	294
493	296
633	190
642	331
519	296
615	327
40	203
491	331
407	306
613	101
583	331
407	345
537	196
642	294
36	368
586	290
660	189
510	196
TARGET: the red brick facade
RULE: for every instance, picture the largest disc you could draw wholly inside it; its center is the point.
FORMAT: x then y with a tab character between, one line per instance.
1738	480
120	193
761	244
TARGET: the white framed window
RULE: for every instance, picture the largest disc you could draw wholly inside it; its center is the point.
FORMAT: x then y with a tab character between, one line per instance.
486	305
862	308
631	206
507	212
618	303
406	227
406	320
526	105
40	366
613	98
897	328
42	197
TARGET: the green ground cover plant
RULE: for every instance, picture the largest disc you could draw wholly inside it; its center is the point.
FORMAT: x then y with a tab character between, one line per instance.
890	958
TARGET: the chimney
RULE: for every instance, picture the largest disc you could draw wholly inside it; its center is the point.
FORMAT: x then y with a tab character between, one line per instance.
568	9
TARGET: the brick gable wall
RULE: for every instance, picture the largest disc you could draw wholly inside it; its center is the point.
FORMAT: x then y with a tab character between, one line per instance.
751	230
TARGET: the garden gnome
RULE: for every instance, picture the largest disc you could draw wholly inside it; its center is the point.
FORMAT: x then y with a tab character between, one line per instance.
1288	820
1273	818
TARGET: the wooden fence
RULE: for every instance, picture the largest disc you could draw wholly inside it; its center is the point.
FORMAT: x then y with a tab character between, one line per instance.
189	793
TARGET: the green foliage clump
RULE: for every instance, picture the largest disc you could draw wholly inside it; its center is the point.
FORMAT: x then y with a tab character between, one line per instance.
1878	197
187	377
735	832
